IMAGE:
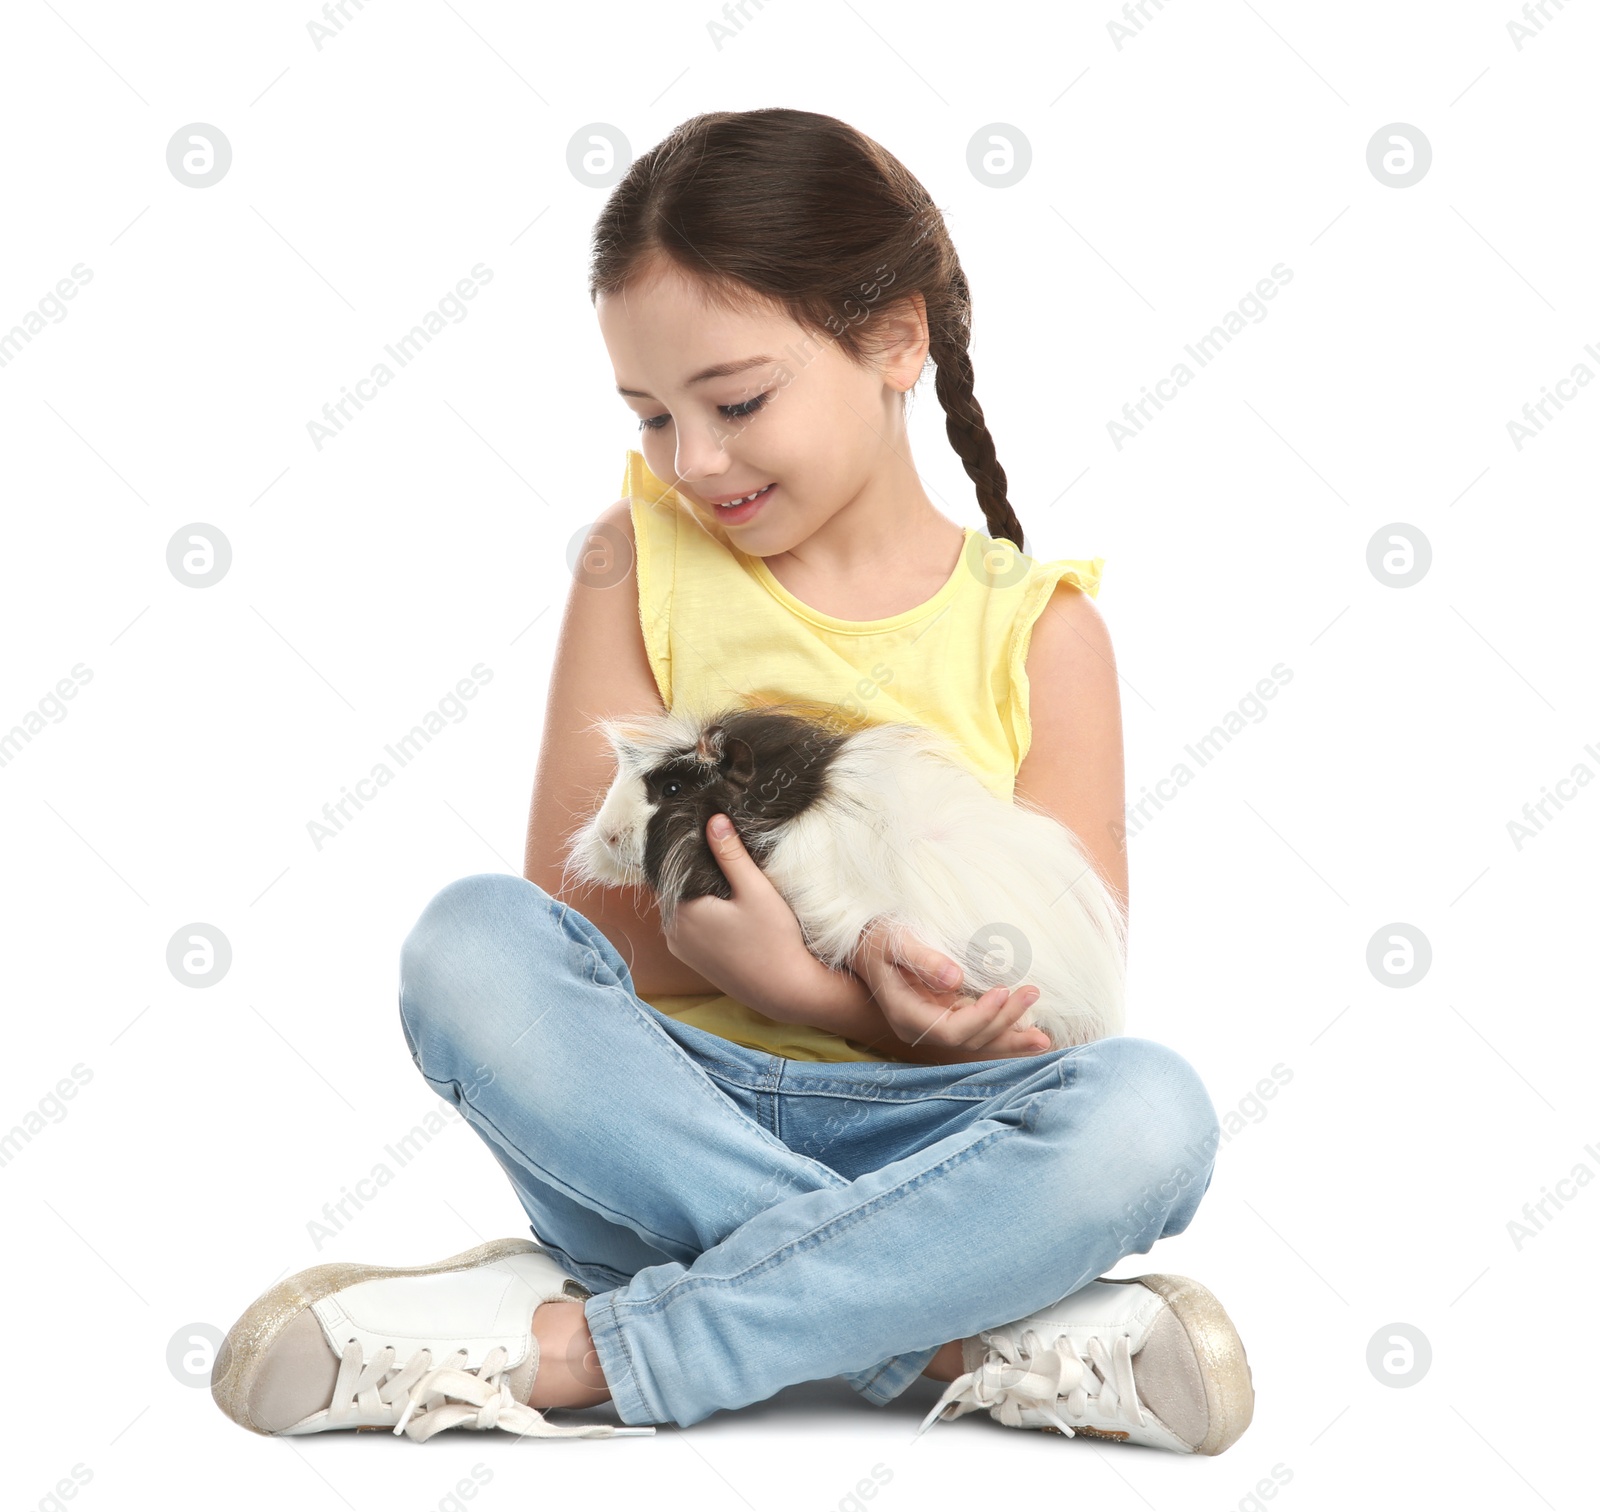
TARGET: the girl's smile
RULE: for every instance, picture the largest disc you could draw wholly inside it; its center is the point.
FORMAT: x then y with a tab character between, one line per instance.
735	509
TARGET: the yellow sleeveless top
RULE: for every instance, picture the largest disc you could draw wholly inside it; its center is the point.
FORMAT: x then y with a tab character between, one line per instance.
719	626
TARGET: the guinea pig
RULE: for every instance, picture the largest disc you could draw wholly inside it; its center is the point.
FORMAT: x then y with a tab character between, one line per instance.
855	825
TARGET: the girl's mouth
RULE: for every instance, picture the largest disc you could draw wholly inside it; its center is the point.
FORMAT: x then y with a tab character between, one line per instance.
744	509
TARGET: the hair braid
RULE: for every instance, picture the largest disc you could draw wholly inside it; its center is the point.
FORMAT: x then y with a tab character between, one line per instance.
964	422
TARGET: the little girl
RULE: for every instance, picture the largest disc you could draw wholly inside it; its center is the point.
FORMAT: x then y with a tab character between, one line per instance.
745	1169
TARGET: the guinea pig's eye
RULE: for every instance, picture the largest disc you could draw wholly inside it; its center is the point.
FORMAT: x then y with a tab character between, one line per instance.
671	789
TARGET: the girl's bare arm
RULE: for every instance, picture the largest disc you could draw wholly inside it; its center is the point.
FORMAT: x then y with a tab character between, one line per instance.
1074	766
601	669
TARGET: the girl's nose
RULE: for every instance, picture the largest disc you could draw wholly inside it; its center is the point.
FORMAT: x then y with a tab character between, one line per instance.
702	454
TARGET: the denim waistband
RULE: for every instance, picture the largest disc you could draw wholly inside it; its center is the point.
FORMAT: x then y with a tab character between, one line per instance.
880	1081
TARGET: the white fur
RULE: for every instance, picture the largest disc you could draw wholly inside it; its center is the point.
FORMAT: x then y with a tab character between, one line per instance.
593	856
906	834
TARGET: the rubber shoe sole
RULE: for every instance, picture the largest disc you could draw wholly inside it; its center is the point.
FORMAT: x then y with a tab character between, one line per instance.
248	1342
1219	1351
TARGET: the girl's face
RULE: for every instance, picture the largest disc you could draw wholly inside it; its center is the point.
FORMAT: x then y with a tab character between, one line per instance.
732	404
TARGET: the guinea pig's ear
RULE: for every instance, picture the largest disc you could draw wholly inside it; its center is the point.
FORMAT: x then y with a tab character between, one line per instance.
738	764
620	738
708	748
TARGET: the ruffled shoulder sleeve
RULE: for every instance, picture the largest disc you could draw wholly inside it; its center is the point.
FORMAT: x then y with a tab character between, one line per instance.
654	510
1036	593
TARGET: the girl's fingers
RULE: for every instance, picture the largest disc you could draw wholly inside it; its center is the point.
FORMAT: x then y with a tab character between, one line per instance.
922	1021
1013	1006
1018	1042
971	1023
932	966
983	1024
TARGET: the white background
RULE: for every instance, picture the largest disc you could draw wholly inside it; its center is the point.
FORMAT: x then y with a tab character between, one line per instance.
1167	177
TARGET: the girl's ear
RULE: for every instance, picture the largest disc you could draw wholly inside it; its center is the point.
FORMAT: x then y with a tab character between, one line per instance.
903	341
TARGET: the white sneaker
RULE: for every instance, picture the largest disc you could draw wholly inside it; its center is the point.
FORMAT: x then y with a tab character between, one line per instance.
353	1346
1144	1360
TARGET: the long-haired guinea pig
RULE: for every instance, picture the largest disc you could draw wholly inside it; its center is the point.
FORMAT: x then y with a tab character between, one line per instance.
880	822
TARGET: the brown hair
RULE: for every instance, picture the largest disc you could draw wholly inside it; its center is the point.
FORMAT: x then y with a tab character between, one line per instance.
817	217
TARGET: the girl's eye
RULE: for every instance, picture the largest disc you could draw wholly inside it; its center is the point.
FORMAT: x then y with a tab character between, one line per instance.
741	411
749	407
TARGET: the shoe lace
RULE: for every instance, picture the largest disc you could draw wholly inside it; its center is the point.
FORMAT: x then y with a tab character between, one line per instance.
1032	1374
417	1396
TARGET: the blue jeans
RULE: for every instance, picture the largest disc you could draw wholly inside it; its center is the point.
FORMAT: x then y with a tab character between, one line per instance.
746	1221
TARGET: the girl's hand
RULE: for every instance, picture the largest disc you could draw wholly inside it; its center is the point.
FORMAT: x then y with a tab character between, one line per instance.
940	1024
750	945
